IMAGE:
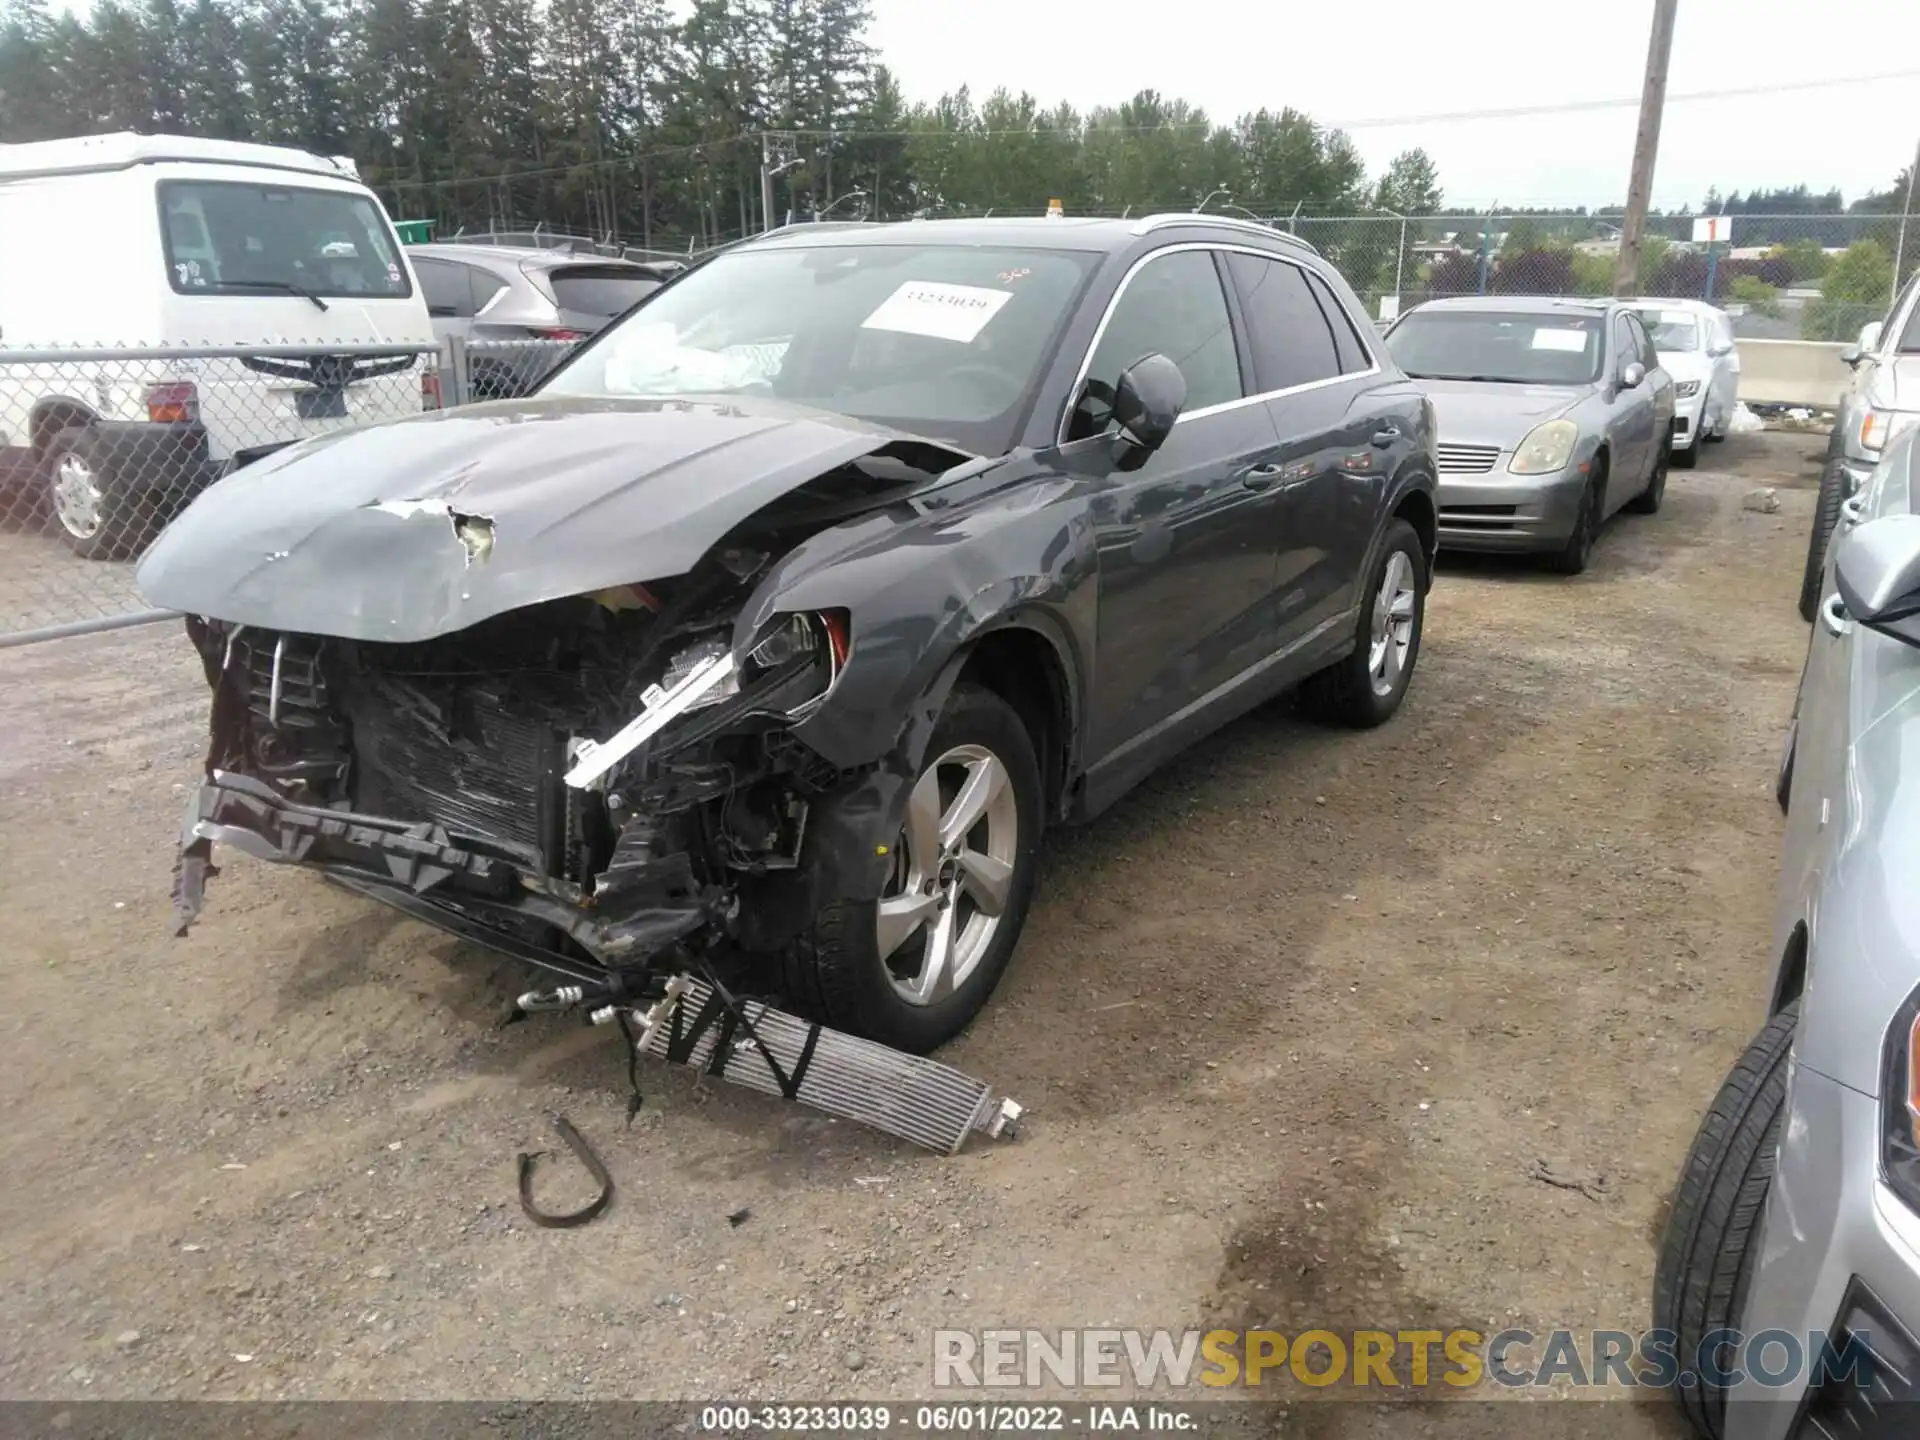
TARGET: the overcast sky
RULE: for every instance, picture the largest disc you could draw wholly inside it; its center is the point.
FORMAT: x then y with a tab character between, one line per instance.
1347	63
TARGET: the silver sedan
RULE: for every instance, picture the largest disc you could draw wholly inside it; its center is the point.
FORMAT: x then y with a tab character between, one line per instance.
1788	1284
1553	414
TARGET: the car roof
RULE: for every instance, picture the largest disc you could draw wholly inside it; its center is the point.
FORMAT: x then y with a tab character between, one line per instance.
124	149
1525	304
519	260
516	257
1031	232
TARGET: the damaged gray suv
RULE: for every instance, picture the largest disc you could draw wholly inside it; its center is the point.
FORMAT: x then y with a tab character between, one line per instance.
762	642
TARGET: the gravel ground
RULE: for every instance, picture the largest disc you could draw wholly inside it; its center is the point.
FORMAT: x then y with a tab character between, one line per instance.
1293	1025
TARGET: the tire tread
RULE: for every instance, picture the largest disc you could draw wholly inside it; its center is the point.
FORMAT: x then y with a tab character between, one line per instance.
1704	1264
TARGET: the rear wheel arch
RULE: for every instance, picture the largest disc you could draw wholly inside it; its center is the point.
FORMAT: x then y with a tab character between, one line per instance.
54	414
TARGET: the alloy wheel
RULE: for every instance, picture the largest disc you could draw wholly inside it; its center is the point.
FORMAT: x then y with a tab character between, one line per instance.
953	873
1392	632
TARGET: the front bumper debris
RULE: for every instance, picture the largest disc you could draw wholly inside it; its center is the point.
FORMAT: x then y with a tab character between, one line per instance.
698	1024
424	867
450	878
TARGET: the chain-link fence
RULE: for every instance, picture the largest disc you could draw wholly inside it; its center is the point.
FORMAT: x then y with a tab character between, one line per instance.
1781	277
100	448
500	369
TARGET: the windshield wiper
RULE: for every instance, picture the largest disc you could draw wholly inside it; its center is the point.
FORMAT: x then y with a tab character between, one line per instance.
286	285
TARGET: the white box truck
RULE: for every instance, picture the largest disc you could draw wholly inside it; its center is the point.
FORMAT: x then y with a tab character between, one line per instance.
141	243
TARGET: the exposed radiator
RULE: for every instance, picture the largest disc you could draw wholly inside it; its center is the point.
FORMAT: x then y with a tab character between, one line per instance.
461	758
914	1098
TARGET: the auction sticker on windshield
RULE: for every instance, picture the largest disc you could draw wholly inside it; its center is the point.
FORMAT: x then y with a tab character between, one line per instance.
942	312
1572	341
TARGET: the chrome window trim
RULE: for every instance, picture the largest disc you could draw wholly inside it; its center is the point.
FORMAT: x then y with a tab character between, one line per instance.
1100	332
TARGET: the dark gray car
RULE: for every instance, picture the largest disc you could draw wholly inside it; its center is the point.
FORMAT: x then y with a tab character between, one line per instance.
766	637
1553	414
521	309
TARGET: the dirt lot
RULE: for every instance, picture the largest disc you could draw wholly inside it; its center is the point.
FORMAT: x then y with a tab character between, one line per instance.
1292	1024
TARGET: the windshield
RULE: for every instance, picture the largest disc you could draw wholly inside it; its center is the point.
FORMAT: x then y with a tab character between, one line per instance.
1673	331
1910	337
602	290
237	238
946	341
1501	345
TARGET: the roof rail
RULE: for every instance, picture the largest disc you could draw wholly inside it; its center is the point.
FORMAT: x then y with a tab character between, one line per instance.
1195	217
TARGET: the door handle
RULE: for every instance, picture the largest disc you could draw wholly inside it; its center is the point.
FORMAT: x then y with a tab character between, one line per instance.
1834	616
1385	436
1261	477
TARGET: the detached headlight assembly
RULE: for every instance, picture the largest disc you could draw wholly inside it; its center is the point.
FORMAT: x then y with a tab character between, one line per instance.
1686	388
1548	448
1878	427
1900	1104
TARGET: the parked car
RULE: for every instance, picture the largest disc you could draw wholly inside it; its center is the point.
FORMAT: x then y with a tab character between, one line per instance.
496	293
168	241
1799	1208
1695	343
1553	415
783	617
1882	400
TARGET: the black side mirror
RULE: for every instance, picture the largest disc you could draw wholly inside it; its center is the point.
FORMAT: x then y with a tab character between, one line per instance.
1147	401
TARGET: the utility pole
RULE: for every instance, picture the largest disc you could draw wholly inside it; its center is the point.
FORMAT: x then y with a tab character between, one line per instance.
766	182
1646	145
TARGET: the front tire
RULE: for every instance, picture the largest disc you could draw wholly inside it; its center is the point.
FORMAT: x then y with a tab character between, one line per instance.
1364	688
1573	557
1689	457
1647	502
1826	514
82	501
1713	1231
914	968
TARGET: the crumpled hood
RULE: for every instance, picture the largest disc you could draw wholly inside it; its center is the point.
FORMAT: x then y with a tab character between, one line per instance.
404	531
1471	412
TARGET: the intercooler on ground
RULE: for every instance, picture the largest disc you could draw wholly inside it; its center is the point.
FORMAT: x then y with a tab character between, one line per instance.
908	1096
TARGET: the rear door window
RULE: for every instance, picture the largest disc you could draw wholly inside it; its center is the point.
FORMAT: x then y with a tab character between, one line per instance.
1346	340
602	290
233	237
484	286
444	287
1292	339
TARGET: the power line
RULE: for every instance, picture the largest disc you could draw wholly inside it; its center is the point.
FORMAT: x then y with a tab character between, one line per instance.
1570	107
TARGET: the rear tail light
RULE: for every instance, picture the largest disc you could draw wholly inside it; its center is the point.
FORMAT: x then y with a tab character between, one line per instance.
560	335
430	390
177	402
